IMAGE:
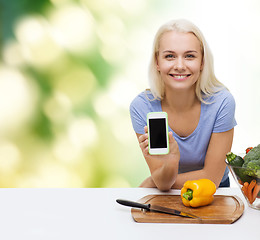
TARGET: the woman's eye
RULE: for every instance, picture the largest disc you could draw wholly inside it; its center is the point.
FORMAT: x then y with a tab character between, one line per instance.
190	56
169	56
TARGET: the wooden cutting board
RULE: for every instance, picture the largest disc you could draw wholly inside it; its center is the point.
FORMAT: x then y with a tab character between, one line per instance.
223	210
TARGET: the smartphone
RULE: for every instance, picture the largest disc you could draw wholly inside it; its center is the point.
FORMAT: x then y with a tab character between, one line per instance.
158	137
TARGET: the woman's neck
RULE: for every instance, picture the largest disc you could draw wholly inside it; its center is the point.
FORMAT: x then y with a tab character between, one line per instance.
180	101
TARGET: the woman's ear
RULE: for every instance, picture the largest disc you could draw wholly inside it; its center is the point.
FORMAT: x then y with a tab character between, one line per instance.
202	65
157	65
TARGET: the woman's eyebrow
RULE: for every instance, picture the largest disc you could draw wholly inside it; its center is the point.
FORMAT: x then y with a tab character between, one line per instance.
189	51
168	51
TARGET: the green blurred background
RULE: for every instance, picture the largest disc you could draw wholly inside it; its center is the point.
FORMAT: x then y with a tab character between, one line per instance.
70	68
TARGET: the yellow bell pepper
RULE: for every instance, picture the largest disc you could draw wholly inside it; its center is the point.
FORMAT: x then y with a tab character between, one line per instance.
198	193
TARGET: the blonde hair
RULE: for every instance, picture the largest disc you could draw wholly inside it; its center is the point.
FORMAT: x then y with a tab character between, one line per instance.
207	84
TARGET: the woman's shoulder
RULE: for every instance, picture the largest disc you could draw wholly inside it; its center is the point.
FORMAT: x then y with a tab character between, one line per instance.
142	104
221	103
223	95
145	98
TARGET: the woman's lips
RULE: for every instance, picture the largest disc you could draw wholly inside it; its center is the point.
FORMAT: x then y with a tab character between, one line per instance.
180	77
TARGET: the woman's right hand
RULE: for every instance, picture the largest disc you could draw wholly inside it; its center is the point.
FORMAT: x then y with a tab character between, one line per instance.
173	146
163	168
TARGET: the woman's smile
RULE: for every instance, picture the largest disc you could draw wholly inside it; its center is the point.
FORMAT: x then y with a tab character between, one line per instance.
180	77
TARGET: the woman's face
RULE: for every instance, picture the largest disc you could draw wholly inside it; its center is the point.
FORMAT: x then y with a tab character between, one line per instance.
179	60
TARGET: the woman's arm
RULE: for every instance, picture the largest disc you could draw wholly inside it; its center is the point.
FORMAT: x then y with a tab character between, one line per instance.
163	168
214	166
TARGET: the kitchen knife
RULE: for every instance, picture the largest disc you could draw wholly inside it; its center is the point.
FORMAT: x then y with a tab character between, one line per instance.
156	208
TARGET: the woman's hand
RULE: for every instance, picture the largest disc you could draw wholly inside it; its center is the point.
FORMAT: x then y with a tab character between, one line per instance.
173	146
163	168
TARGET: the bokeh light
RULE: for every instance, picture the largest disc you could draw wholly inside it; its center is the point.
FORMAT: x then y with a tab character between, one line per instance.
37	45
17	99
72	27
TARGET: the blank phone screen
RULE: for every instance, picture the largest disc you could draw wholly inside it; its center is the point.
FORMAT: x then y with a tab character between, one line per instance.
157	133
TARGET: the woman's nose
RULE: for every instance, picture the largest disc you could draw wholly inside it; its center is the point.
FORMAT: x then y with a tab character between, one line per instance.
179	64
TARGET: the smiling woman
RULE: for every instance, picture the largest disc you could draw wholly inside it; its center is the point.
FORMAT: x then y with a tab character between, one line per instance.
177	65
207	80
200	110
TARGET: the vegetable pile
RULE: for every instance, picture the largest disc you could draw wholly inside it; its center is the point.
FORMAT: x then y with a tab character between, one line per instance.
247	171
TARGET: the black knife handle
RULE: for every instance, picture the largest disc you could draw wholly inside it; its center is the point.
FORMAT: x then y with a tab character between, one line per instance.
133	204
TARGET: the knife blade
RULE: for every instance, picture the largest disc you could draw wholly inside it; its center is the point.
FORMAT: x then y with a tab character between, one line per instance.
156	208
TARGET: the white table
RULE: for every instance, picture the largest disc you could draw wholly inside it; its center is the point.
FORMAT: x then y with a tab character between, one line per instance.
92	213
